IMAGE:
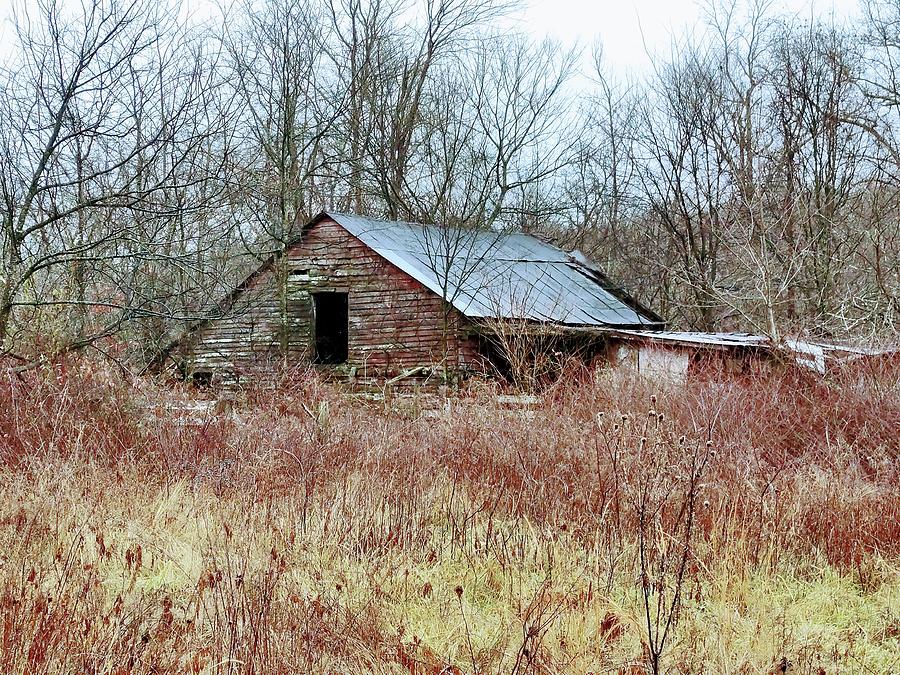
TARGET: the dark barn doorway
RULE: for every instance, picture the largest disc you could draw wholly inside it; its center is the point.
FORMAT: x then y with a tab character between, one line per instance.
330	325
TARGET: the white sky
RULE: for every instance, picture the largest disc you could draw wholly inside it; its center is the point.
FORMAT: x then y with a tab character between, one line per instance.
624	27
627	29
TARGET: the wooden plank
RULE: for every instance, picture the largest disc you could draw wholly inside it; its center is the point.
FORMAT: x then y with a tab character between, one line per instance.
395	322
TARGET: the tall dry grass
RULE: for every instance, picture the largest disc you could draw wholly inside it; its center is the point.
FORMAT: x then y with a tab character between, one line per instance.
743	527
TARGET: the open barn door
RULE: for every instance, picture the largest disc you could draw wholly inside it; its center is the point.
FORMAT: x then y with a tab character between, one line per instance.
330	323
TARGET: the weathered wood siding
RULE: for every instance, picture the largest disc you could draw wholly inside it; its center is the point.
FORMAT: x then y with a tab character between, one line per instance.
395	323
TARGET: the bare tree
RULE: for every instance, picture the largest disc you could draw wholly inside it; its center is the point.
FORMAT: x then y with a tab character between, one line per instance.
289	104
277	64
505	139
750	182
600	206
685	179
756	161
105	127
366	35
403	98
881	85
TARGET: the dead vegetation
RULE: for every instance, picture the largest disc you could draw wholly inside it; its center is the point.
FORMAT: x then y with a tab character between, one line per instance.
722	528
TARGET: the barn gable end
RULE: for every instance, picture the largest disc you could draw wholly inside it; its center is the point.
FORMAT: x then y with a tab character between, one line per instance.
395	323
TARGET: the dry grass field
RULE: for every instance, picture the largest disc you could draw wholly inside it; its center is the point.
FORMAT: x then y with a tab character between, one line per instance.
752	527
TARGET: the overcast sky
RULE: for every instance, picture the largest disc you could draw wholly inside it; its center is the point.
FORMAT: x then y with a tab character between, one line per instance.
627	29
625	26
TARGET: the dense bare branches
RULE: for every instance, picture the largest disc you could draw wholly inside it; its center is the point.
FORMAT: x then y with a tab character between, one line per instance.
748	181
761	152
106	131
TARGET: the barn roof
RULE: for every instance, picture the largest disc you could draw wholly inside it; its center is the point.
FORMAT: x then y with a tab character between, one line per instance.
485	274
697	338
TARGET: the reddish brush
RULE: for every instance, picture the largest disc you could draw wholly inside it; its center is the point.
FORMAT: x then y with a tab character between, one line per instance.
796	467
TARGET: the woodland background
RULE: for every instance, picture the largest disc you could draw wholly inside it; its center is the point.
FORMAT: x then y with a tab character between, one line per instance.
146	164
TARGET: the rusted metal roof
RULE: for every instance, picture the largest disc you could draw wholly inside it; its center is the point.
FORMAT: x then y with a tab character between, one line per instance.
486	274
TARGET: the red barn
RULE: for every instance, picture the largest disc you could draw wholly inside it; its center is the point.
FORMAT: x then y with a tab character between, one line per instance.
376	300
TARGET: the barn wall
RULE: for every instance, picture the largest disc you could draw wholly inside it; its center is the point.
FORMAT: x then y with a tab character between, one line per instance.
679	364
656	363
394	321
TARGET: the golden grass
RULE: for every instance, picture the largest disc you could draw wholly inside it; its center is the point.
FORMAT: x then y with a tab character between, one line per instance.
381	541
